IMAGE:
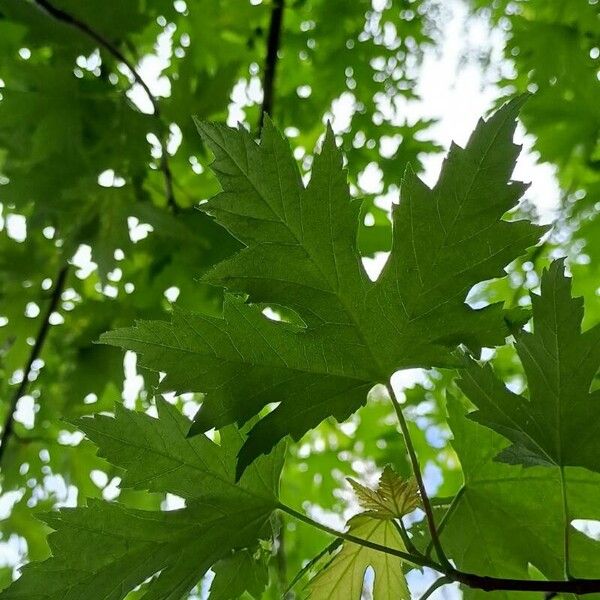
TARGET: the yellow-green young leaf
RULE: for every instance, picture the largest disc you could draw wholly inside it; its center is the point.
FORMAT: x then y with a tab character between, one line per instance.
301	253
393	498
344	577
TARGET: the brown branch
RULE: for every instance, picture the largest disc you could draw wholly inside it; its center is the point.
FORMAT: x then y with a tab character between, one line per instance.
36	350
270	67
81	26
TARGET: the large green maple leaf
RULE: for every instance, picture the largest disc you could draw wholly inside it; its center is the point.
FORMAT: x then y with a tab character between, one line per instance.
509	517
301	253
555	425
105	550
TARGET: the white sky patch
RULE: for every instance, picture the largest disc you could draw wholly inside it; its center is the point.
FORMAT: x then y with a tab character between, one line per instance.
12	551
16	227
133	383
82	259
137	230
589	527
407	378
7	501
172	502
172	293
150	68
342	110
109	178
25	413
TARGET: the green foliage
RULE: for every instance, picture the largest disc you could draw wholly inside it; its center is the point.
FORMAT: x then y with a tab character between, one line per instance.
506	518
103	551
256	310
551	426
237	574
301	253
69	112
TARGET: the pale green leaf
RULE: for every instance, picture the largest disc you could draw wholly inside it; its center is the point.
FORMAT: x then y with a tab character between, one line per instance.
344	577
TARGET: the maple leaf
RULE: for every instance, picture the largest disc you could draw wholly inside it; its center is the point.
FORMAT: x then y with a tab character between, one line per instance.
393	498
105	550
506	517
555	425
300	252
343	578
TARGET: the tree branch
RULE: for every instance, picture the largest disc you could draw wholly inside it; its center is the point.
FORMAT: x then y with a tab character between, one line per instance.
36	350
417	473
268	84
270	67
81	26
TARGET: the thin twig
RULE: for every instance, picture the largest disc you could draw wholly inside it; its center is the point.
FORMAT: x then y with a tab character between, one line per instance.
76	23
414	559
36	350
65	17
417	473
438	583
399	525
270	68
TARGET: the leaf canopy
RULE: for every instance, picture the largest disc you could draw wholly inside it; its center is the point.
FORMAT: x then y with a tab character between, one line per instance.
92	238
